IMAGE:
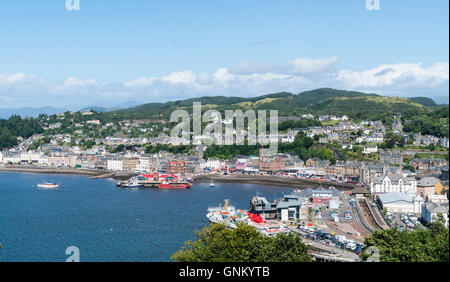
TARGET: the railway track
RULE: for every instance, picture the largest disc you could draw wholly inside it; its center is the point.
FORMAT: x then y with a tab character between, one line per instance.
375	213
359	224
367	214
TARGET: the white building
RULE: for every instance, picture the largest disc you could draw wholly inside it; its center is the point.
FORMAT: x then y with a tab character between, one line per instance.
369	149
431	210
389	183
211	164
114	164
287	139
401	202
31	156
145	163
437	198
10	157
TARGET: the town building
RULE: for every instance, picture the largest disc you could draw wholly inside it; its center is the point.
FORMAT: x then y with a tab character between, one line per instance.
389	158
389	183
130	162
400	202
370	149
115	164
431	211
427	186
177	166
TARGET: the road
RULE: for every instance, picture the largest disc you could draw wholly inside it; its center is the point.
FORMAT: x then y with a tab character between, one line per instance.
325	249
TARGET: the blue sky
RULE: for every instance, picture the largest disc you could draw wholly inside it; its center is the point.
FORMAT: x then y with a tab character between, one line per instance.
113	52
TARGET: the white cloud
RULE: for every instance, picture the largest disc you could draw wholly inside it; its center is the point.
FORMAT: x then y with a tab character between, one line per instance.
396	75
184	77
299	66
247	79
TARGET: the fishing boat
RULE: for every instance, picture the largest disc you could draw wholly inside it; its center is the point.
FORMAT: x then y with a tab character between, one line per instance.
48	186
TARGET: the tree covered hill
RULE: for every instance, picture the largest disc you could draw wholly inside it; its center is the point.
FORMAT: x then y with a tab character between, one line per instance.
318	102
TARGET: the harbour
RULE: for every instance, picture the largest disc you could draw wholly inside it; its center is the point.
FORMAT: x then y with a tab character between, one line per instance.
137	224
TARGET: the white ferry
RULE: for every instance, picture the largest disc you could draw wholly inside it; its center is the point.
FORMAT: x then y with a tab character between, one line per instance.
230	216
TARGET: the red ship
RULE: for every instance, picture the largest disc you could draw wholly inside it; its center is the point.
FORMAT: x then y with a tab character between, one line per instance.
174	186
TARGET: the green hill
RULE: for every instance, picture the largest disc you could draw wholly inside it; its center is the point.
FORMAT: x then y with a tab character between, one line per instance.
424	101
318	102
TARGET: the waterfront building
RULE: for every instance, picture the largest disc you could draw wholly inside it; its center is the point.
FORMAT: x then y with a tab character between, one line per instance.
11	157
115	164
211	165
130	162
290	207
144	163
271	164
58	160
177	167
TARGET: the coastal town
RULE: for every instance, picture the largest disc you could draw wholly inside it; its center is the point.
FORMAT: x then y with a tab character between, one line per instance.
236	139
370	186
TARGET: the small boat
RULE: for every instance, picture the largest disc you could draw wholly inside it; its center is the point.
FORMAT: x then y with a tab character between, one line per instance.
212	184
48	186
134	184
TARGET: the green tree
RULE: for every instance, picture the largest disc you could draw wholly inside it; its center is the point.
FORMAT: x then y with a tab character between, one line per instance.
421	245
218	243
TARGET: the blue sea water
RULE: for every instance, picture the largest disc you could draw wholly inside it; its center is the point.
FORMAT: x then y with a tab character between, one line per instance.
104	222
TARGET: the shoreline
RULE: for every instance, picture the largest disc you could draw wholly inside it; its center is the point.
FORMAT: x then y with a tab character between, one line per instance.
276	181
69	171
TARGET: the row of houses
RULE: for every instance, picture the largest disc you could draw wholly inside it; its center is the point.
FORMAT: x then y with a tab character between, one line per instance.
426	140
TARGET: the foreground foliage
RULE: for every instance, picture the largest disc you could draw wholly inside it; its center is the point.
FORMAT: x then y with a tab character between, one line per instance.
217	243
423	245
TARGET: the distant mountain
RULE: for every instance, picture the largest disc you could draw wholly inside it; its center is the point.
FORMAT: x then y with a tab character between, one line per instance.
424	101
29	112
97	109
124	105
319	102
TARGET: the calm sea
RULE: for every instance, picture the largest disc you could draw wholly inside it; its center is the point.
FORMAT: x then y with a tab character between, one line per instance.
104	222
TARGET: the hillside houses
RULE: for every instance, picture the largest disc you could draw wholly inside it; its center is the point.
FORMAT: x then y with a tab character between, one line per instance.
424	165
389	158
